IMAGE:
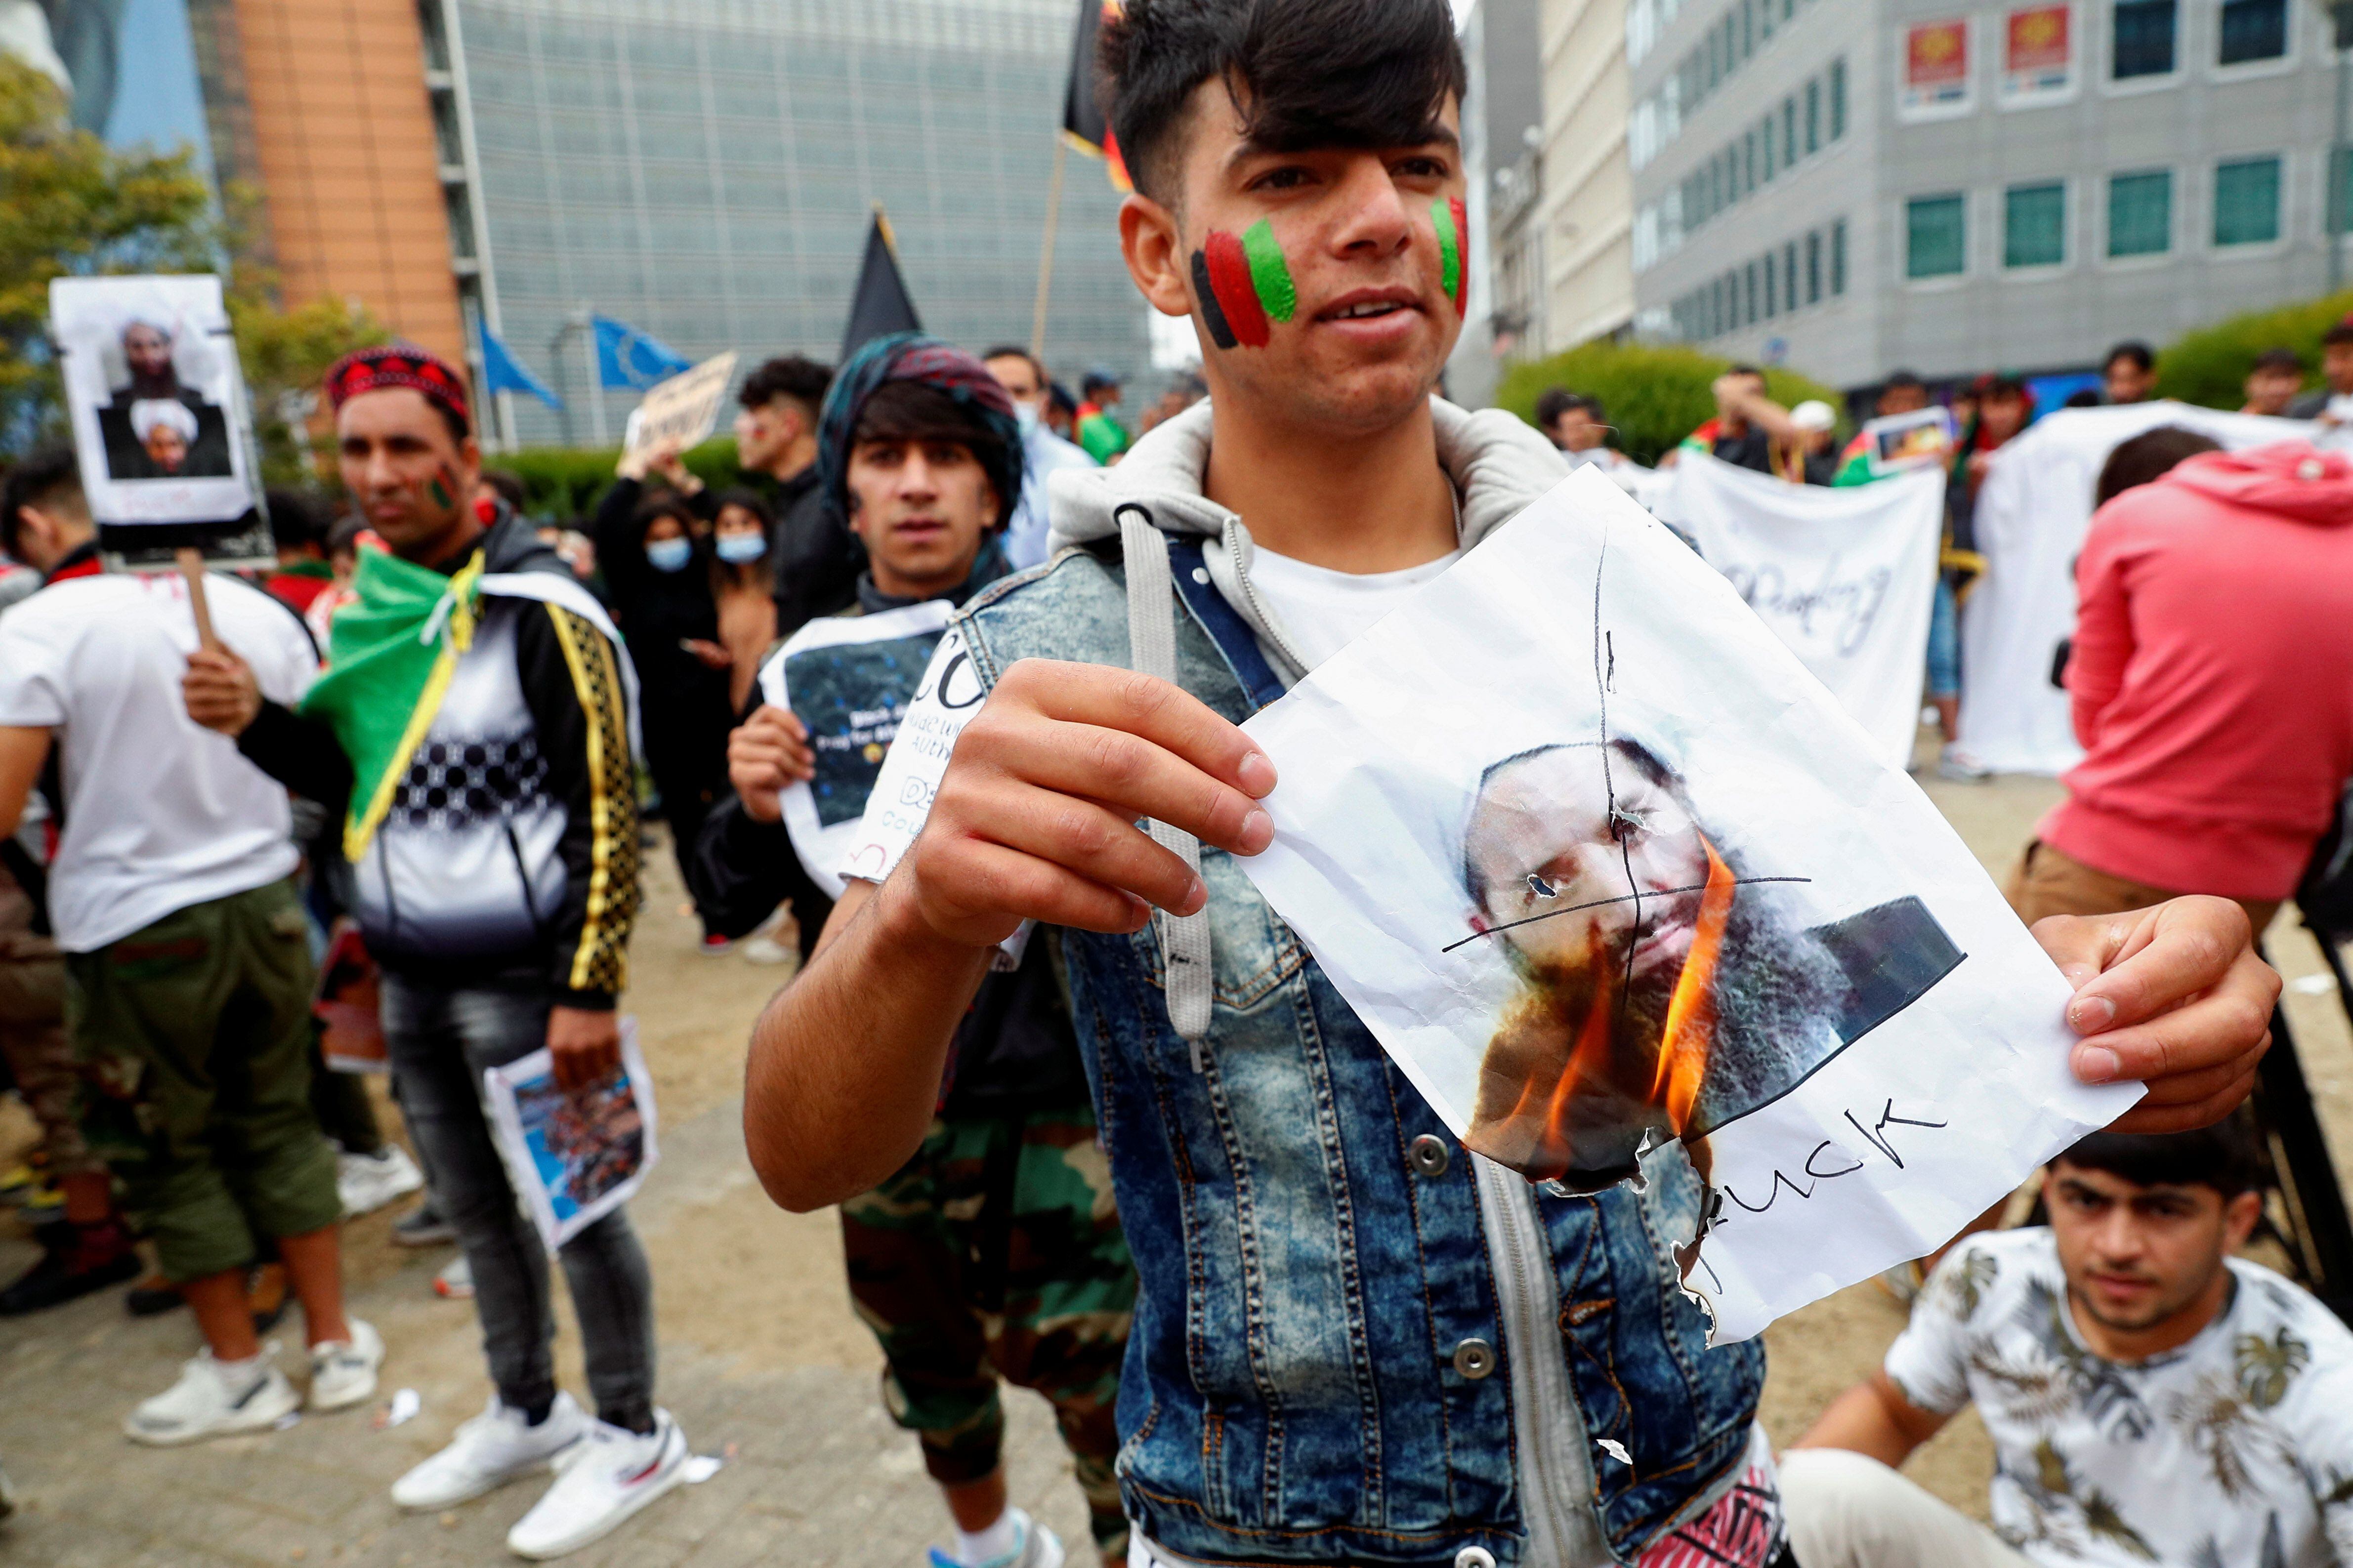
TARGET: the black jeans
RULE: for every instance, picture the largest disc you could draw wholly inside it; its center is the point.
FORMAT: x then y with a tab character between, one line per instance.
441	1039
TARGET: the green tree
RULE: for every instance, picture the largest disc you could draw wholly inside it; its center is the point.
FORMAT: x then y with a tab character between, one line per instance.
1654	393
2209	365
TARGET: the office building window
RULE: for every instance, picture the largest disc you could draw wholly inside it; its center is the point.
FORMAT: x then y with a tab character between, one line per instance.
1753	305
2141	214
1772	287
1838	257
2034	226
1814	268
1838	99
1748	164
2253	30
2341	193
1813	117
1715	308
2144	38
1747	28
1790	275
2247	202
1934	236
1788	131
1766	139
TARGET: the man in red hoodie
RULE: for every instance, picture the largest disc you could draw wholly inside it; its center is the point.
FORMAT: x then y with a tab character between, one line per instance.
2213	679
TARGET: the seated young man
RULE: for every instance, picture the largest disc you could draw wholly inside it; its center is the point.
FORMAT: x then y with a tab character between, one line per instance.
2151	1398
1354	1341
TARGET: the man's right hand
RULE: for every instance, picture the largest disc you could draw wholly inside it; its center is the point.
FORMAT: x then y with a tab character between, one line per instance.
1036	817
220	691
767	753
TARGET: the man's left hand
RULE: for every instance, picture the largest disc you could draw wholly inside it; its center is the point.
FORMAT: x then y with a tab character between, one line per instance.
2173	997
583	1046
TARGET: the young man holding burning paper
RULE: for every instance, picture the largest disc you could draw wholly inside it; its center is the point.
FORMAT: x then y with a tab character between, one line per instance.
1353	1343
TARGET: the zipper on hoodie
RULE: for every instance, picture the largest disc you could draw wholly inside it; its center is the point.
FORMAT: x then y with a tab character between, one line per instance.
1548	1428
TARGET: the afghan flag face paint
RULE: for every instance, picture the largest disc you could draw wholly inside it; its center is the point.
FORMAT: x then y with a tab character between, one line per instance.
1244	284
1453	250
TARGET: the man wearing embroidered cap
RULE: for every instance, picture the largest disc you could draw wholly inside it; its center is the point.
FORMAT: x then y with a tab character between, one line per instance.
474	729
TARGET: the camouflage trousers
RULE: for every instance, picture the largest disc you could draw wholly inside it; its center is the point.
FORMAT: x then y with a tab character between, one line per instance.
997	1253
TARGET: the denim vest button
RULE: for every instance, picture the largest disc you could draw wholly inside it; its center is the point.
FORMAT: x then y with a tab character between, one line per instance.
1474	1557
1475	1359
1427	1154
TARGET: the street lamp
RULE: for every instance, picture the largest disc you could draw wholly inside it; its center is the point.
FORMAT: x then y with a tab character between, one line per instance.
2340	156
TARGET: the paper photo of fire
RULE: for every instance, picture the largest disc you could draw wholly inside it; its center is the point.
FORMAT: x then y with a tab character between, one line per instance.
1663	992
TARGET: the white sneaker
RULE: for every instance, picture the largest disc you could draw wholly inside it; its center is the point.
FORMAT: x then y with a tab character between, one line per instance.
1034	1546
487	1452
617	1474
1960	764
209	1401
367	1183
342	1371
456	1280
766	950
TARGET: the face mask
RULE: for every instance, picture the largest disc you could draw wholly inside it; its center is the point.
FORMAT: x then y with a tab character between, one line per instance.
740	549
670	554
1025	415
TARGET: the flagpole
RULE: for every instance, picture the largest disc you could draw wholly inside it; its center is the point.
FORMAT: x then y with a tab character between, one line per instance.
1046	256
586	321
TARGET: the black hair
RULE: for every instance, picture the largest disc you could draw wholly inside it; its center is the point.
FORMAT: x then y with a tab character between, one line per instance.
801	379
750	500
661	504
2339	335
1558	400
2148	455
2222	1157
509	487
346	533
1302	74
2132	349
294	520
48	479
918	411
1014	351
1908	381
2283	360
2082	397
1738	368
1095	381
1059	396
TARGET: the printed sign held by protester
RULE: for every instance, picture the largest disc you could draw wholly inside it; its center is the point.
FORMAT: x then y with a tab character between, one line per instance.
574	1156
1614	881
829	675
157	403
1920	439
684	409
1843	577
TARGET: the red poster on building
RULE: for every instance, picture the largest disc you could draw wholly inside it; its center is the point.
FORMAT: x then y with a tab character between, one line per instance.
1937	67
2038	58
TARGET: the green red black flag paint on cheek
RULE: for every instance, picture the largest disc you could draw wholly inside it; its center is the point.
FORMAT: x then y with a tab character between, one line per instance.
1453	250
1244	285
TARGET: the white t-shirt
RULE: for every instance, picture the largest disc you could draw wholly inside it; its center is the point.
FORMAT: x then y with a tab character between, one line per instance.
1321	611
159	813
2235	1448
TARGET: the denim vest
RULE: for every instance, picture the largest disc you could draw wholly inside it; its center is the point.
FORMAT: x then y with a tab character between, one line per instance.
1315	1370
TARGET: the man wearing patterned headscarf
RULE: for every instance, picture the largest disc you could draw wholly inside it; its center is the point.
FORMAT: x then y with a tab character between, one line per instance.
995	1252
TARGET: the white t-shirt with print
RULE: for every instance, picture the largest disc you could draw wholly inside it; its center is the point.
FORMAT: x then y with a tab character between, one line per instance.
159	813
1321	611
2236	1448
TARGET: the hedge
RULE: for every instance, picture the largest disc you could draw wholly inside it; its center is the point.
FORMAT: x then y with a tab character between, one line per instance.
2209	365
1654	393
564	483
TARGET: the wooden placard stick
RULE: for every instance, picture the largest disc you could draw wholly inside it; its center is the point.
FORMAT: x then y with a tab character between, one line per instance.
190	561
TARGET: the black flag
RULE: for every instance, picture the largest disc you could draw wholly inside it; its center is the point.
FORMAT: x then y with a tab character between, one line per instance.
1083	115
881	304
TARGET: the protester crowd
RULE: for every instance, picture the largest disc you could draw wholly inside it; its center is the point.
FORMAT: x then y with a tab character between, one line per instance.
1264	1314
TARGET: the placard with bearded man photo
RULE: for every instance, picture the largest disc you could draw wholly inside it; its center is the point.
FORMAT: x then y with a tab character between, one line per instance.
1628	897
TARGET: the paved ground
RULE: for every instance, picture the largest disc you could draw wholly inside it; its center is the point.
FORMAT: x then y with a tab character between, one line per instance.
762	1358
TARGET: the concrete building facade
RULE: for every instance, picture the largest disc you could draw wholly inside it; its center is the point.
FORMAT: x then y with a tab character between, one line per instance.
1951	186
1584	210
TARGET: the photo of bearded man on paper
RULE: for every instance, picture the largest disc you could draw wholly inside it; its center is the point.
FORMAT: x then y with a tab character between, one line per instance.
1664	992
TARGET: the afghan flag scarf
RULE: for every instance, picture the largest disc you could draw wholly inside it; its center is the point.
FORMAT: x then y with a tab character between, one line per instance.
391	655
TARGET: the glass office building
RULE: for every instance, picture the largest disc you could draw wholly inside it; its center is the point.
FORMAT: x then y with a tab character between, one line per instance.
705	171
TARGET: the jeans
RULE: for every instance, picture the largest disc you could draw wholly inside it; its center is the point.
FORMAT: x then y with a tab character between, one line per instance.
1849	1510
1944	643
441	1039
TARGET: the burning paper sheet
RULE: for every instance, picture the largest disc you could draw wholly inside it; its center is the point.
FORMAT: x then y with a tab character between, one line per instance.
1603	867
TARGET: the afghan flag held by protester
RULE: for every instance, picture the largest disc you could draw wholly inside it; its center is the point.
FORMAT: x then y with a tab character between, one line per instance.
391	655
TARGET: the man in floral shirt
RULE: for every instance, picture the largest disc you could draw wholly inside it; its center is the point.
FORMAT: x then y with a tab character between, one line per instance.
2151	1398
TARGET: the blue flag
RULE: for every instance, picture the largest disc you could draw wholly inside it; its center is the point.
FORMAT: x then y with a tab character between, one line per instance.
502	373
627	358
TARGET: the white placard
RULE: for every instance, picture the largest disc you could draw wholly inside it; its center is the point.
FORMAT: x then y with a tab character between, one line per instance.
1845	577
573	1157
850	680
157	398
1602	866
684	408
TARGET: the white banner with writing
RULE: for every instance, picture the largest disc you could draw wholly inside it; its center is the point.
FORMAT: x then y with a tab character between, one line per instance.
2032	512
1844	577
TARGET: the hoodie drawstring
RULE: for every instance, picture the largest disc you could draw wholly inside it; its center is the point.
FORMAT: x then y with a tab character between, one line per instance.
1152	650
